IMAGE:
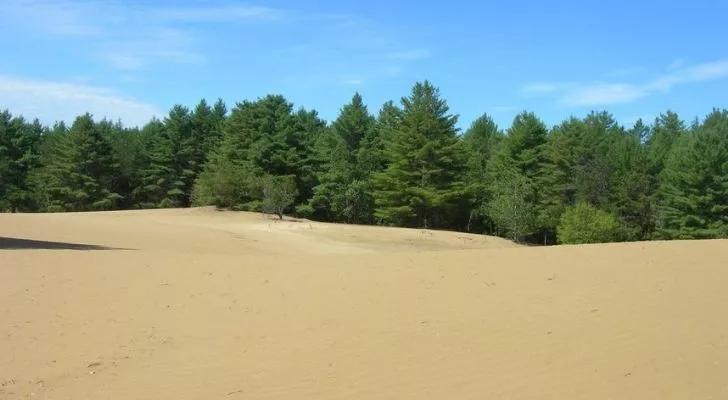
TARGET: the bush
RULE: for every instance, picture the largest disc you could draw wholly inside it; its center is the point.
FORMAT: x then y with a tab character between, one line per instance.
279	193
585	223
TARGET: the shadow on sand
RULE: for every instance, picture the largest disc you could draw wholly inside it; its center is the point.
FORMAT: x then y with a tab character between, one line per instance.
7	243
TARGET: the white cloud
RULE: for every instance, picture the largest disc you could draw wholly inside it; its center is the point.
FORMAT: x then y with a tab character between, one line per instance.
158	45
62	101
219	13
64	17
606	93
541	87
124	35
603	94
143	36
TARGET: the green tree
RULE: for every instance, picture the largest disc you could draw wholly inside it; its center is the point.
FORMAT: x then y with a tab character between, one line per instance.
262	137
630	188
479	145
510	206
19	148
278	194
519	166
344	189
693	194
666	130
585	223
421	180
81	171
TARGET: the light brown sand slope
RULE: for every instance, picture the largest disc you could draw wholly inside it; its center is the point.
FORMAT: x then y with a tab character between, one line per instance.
203	230
181	318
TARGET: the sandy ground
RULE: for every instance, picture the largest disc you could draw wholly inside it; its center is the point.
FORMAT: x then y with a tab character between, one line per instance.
198	304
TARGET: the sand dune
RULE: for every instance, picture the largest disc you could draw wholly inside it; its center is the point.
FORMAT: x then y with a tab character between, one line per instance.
198	304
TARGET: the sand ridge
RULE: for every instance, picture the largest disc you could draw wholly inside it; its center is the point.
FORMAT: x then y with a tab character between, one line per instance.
190	304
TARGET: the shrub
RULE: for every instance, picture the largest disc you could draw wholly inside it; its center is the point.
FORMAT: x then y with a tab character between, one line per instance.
585	223
279	193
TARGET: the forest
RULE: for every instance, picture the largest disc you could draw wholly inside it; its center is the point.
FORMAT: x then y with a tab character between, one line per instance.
584	180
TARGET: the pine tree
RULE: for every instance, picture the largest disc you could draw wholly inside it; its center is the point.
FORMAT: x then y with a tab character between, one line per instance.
693	194
262	138
511	206
186	160
519	165
479	145
630	193
666	130
421	181
559	183
344	192
19	147
207	125
81	171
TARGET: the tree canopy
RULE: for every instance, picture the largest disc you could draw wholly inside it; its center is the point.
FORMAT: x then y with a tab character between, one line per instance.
583	180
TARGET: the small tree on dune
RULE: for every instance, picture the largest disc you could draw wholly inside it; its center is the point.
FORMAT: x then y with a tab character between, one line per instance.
279	193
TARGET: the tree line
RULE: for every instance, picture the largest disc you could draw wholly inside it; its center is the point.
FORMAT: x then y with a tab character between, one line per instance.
584	180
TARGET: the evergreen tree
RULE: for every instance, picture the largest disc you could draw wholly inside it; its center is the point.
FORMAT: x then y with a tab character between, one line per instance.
667	129
479	145
421	180
81	171
630	193
19	147
344	191
262	138
207	125
693	194
511	206
519	165
559	181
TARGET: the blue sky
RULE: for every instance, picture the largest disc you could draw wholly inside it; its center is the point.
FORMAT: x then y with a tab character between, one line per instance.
135	59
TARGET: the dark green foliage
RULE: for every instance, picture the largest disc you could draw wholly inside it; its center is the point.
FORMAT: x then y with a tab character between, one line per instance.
515	174
19	156
585	223
693	194
479	145
630	186
344	192
423	177
585	180
261	138
81	170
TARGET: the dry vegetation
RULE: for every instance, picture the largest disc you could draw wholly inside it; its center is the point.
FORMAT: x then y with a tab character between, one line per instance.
198	304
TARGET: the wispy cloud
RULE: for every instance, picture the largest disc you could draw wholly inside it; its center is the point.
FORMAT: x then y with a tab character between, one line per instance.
155	45
129	36
56	17
541	87
52	101
601	93
219	13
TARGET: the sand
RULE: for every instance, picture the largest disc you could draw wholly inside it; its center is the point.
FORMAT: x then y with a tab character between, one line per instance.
199	304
